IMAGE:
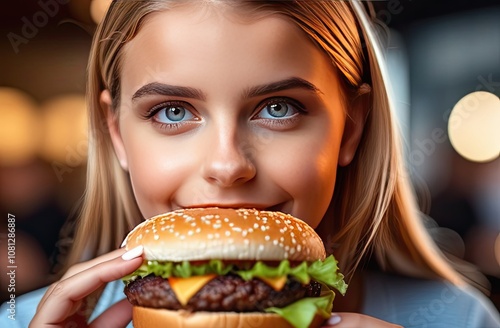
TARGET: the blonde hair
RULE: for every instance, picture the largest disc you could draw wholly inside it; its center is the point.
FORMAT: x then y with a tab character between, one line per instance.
386	223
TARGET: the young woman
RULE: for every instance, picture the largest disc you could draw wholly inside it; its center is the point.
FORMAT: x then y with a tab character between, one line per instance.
279	105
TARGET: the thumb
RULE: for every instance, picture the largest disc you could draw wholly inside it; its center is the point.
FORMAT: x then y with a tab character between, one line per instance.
117	316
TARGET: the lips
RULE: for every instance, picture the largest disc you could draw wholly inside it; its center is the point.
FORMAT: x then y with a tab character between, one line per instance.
262	207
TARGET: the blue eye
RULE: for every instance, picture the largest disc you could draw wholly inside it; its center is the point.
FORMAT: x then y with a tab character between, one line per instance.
172	113
279	109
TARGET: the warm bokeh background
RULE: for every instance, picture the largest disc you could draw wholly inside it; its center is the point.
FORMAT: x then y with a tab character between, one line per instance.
440	51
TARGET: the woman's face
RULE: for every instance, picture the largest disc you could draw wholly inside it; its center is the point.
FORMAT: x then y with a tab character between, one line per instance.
215	111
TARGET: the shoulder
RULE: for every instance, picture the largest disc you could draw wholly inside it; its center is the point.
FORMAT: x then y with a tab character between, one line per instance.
18	311
427	303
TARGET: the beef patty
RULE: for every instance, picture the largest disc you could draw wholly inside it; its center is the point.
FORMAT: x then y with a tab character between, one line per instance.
221	294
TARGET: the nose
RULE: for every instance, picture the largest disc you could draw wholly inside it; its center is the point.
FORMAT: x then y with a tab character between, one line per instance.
229	160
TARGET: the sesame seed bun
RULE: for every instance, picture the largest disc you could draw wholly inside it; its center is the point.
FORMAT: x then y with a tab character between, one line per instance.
224	233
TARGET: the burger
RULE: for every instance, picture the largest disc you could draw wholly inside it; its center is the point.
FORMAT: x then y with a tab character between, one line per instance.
222	267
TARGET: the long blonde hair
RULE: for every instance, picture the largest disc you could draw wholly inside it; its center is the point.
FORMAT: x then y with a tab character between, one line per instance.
373	207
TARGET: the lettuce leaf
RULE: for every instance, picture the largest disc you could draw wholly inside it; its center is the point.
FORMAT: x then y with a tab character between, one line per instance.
301	313
324	272
178	269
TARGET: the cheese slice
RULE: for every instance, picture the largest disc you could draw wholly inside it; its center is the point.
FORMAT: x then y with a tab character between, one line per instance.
277	283
185	288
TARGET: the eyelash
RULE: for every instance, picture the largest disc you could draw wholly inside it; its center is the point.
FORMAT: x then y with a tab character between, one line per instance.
168	126
280	122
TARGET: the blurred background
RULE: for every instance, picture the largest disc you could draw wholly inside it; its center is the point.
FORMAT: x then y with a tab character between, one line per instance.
444	59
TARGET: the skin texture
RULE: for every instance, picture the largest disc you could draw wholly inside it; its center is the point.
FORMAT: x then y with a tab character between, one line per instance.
228	150
227	154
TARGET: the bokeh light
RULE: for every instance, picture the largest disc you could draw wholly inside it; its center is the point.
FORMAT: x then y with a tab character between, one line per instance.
64	121
19	127
474	126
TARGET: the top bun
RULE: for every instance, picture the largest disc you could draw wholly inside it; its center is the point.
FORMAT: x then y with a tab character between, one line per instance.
226	234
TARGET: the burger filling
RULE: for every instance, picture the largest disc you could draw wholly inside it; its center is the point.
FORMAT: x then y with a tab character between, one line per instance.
221	294
296	291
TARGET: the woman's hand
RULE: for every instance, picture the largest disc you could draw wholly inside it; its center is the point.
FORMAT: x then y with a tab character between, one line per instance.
64	297
356	320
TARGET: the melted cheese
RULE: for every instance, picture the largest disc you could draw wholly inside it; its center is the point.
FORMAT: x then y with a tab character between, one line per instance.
276	283
185	288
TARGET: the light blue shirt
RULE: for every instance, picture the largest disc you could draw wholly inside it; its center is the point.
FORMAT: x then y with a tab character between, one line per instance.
408	302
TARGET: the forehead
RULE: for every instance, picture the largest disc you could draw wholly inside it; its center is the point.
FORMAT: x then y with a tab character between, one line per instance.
219	44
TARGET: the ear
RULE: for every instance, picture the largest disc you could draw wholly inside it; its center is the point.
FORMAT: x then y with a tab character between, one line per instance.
354	125
114	128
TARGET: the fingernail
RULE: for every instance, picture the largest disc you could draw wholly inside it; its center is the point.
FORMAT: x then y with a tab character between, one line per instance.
124	242
334	319
133	253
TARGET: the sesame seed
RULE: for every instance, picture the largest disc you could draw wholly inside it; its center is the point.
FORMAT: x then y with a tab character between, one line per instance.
267	238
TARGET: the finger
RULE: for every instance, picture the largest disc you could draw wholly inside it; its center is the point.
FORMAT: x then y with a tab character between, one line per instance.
59	304
79	267
82	267
356	320
117	316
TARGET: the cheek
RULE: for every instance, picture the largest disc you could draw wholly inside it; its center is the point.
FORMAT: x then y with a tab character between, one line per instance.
155	173
306	170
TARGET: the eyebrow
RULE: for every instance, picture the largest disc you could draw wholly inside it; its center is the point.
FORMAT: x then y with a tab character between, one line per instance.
290	83
157	88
